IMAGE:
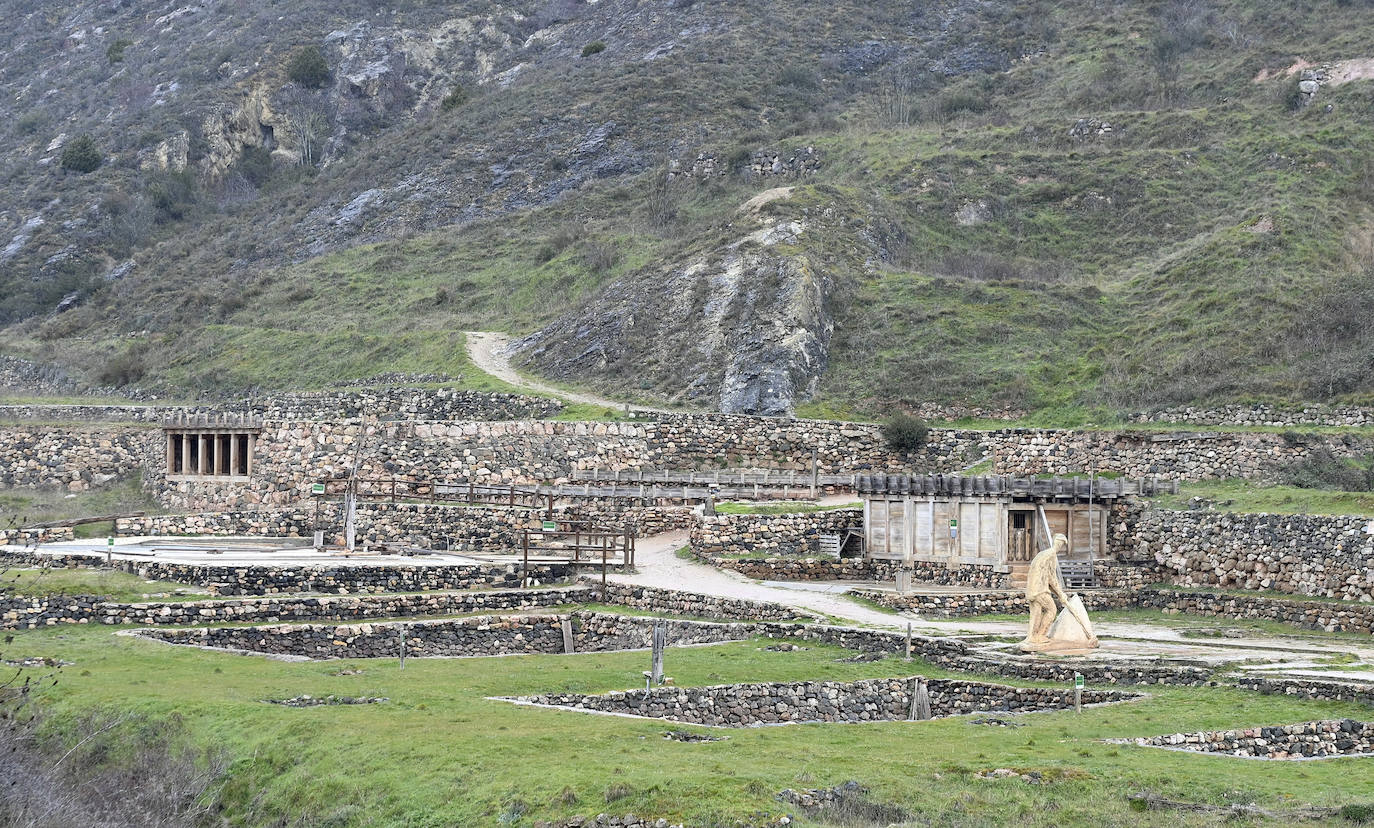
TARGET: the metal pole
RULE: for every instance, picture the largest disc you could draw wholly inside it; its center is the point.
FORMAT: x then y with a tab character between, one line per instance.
525	573
660	640
603	573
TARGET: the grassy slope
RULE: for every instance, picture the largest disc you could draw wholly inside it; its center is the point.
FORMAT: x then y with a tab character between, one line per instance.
1117	272
107	584
440	753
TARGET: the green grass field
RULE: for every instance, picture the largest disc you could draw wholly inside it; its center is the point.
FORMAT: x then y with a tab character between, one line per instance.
440	752
108	584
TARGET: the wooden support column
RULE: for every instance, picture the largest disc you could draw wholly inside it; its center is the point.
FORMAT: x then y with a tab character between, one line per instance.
185	455
171	454
200	455
233	454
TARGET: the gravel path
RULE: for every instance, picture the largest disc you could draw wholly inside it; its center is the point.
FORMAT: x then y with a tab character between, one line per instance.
489	351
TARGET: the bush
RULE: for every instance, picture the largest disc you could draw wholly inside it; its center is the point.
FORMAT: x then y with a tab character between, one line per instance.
904	432
593	48
454	99
125	368
1360	813
81	155
1324	470
308	68
115	53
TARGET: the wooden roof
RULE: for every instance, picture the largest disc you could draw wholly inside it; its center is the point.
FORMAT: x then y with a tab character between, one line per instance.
1054	488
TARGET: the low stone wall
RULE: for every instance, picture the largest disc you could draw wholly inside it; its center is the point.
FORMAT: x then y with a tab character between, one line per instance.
29	537
1322	690
858	569
968	604
768	535
866	700
677	602
346	580
478	636
425	525
28	613
1262	415
1328	556
1312	615
807	569
1307	740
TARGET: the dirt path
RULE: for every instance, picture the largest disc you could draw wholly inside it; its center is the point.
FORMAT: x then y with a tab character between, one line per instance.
659	566
489	351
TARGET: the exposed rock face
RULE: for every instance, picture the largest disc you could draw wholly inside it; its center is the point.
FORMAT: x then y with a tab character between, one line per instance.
745	328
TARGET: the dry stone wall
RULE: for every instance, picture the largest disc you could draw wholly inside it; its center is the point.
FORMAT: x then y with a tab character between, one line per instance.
376	403
1330	556
30	612
1331	616
1307	740
74	459
1262	415
865	700
477	636
768	535
1258	456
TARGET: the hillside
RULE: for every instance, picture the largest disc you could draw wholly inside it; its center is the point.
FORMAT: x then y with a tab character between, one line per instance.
745	206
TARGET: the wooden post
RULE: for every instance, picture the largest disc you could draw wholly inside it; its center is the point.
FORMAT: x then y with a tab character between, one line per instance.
403	647
908	642
525	573
919	710
815	473
660	639
567	635
603	574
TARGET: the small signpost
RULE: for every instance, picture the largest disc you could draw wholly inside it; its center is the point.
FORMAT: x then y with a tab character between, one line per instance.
109	551
550	526
953	528
317	488
1078	692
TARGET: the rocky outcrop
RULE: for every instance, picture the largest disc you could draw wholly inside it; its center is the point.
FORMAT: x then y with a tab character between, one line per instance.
744	328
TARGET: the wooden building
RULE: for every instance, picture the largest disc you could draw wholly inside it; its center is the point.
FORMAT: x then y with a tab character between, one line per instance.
994	521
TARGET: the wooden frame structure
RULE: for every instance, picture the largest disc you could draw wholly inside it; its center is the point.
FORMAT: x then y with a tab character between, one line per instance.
988	520
215	448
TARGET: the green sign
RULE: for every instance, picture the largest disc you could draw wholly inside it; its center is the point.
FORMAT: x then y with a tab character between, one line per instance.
1078	681
550	526
109	541
954	523
317	488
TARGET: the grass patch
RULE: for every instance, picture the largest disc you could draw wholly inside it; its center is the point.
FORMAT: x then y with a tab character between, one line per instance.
21	506
111	585
1251	496
440	753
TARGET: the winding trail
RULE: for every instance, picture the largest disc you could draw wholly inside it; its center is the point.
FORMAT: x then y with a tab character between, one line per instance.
490	352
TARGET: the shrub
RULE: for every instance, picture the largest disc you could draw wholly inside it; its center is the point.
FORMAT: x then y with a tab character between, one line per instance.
454	99
1324	470
1361	813
308	67
903	432
81	155
115	52
593	48
125	368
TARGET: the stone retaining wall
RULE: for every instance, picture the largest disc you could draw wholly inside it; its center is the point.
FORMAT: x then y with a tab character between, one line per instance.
72	459
27	613
385	403
425	525
677	602
1328	556
1262	415
1312	615
1258	456
1322	690
348	580
1307	740
987	603
485	635
768	535
865	700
